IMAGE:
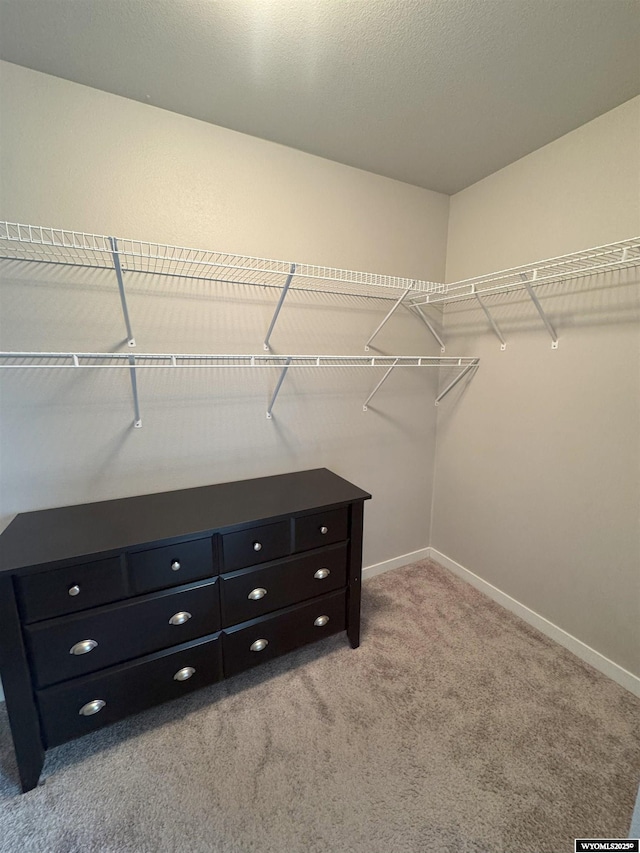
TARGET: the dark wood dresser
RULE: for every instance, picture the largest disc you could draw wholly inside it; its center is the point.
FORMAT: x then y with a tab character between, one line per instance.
109	608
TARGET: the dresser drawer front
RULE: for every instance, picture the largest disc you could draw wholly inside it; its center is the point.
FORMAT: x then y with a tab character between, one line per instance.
127	689
44	595
321	528
256	545
121	632
262	639
254	592
171	565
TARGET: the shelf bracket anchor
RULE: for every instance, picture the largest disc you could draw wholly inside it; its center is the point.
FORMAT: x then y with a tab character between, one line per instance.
368	400
283	295
396	305
277	388
427	323
131	341
137	423
494	325
452	384
536	302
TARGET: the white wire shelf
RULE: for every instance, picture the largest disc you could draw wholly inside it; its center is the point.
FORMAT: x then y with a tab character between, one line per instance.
56	245
59	246
596	261
169	361
203	360
600	260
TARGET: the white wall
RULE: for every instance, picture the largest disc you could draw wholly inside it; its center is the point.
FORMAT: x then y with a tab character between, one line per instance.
537	486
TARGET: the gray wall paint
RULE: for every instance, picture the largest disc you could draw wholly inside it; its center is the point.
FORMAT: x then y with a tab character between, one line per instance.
537	458
78	158
537	486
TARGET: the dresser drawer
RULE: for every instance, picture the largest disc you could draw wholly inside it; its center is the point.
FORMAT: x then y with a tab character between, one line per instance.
262	639
127	689
253	592
256	545
171	565
109	635
321	528
53	593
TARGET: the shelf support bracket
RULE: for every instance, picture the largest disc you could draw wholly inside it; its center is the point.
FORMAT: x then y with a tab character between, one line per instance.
418	310
453	384
536	302
283	295
494	325
396	305
131	341
277	388
384	378
137	423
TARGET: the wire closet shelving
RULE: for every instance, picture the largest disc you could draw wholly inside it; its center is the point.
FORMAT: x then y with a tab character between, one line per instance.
55	245
600	260
124	257
95	360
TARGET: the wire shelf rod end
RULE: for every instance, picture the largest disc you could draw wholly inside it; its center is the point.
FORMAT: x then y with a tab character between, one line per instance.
395	306
371	395
420	313
137	420
474	364
285	290
277	388
123	296
540	309
494	325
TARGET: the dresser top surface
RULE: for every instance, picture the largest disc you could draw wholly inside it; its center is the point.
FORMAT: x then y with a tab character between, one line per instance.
65	533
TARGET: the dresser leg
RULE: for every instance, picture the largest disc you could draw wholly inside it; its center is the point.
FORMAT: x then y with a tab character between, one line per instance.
21	707
30	771
354	567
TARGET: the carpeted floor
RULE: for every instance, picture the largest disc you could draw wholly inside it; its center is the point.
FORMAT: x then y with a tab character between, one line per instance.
454	727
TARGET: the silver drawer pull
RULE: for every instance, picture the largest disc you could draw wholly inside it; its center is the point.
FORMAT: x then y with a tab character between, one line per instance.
180	618
257	546
175	566
83	647
324	530
74	590
259	645
92	708
184	674
321	574
320	621
257	593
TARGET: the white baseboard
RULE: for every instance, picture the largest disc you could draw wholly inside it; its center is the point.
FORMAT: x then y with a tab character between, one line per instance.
612	670
395	563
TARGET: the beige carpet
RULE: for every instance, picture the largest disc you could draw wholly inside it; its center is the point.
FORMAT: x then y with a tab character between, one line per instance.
455	727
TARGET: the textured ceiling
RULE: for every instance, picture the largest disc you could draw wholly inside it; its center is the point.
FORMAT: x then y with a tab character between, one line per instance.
438	93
